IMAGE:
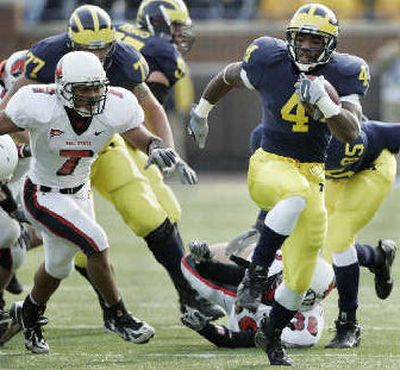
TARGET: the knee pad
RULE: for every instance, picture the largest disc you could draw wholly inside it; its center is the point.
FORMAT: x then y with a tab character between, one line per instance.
282	218
288	298
346	258
59	269
80	260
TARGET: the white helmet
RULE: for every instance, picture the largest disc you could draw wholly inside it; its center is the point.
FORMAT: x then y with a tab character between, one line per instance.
322	284
13	68
8	157
81	69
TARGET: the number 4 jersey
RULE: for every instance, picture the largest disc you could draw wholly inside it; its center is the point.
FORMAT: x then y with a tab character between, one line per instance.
288	130
62	155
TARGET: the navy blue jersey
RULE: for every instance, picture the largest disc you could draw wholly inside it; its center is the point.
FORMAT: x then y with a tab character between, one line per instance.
344	160
160	54
128	67
288	130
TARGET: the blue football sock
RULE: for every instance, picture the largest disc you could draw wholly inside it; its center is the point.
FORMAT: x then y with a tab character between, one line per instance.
280	317
368	256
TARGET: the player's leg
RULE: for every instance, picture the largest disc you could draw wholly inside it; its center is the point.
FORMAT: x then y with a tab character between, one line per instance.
116	177
276	185
300	253
348	214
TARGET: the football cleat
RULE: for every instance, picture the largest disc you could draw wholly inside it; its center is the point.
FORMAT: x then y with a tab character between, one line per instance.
348	335
129	328
269	340
200	251
383	275
34	339
191	299
14	286
253	284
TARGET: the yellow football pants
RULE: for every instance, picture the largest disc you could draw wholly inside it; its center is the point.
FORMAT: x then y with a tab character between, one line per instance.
272	178
352	202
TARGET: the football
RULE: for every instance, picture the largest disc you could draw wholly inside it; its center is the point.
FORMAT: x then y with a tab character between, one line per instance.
330	89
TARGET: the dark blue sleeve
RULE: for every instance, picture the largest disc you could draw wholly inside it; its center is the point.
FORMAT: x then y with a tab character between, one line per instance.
255	138
43	57
383	135
162	56
353	77
128	67
261	53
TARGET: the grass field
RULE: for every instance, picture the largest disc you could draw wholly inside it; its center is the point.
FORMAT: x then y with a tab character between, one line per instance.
215	210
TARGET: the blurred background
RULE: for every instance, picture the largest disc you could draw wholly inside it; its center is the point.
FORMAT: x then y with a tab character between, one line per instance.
368	28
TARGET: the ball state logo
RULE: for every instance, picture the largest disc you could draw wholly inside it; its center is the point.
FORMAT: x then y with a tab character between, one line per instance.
54	132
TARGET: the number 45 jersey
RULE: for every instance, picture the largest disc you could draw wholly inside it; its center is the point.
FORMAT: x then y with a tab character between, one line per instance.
62	155
288	130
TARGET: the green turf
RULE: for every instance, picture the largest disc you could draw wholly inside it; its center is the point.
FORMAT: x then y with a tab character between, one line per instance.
215	210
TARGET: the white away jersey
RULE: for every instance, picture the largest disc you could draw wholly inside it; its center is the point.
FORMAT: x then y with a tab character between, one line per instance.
60	157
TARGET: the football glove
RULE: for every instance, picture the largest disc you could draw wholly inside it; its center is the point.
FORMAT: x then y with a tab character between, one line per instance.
310	91
164	158
194	320
200	251
198	128
186	174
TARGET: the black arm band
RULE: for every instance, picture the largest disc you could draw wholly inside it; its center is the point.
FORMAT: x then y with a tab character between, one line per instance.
8	204
160	91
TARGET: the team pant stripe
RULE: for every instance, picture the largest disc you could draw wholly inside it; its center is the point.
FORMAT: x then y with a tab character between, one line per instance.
55	223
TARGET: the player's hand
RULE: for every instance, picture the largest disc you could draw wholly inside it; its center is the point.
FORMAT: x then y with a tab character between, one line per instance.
194	320
200	251
186	174
310	91
164	158
198	128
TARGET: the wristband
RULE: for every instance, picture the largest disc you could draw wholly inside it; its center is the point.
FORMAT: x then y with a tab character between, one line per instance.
328	107
203	108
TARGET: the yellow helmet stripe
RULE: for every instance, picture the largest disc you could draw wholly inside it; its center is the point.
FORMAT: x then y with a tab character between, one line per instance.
95	18
78	23
320	23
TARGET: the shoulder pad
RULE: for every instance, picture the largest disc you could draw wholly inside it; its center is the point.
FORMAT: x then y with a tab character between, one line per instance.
348	65
43	57
267	50
130	63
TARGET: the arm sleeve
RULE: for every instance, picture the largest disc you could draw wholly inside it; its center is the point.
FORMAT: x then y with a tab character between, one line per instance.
220	272
223	337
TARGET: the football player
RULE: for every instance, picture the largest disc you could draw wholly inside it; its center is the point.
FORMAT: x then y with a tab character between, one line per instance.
62	119
162	32
114	174
210	272
359	176
286	175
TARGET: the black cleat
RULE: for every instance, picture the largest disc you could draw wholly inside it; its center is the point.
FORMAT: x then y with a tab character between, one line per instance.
252	286
191	299
128	327
34	339
269	340
14	286
348	335
383	274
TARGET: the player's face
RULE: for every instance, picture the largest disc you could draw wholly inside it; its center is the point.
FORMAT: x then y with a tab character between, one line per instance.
308	47
100	53
86	98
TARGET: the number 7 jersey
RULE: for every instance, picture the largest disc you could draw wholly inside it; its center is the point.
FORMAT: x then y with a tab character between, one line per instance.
288	130
61	156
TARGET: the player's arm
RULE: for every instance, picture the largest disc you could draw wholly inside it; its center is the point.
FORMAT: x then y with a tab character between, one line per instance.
217	88
165	158
7	126
155	117
218	335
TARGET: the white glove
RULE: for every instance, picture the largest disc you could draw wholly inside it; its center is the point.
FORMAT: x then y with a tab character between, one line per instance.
198	128
186	174
164	158
194	320
310	91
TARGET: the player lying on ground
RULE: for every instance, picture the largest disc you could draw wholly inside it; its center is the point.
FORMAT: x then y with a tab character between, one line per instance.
56	196
216	277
